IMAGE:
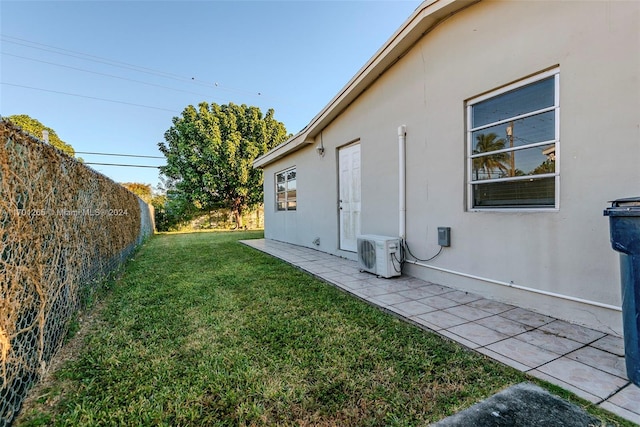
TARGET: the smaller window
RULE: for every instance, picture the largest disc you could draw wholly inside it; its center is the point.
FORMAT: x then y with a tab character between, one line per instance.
286	198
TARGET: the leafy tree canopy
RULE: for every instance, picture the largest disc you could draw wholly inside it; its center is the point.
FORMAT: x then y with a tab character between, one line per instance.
210	151
141	190
35	128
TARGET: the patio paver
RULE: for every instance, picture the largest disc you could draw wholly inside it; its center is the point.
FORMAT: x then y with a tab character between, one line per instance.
586	362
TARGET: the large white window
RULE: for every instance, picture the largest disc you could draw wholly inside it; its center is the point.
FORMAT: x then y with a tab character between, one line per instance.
286	197
512	146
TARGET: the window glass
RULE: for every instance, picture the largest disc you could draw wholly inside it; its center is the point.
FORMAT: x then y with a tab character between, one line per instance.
286	190
529	130
533	97
531	193
532	161
512	144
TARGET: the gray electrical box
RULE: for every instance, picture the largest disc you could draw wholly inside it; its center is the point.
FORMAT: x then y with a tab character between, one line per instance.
444	236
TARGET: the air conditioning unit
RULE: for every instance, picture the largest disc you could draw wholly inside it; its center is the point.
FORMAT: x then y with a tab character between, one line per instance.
379	255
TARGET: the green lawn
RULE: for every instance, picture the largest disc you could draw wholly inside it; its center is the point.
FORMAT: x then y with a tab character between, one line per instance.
201	330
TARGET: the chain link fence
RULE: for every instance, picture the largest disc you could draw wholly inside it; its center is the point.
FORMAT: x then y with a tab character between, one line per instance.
63	229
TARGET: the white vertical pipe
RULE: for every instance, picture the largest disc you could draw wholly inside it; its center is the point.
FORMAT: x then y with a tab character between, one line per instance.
402	165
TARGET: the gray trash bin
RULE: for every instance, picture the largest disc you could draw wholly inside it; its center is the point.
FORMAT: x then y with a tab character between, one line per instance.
624	224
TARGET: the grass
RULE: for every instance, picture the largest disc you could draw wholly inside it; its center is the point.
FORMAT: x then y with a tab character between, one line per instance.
201	330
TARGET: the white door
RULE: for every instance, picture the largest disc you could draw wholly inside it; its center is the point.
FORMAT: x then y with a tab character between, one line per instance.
349	203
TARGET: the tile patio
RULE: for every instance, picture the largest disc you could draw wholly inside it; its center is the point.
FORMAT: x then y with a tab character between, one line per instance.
587	362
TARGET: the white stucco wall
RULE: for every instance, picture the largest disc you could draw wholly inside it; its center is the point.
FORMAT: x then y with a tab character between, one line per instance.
481	48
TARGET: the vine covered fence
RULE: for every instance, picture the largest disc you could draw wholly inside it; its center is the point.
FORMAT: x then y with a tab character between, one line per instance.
63	228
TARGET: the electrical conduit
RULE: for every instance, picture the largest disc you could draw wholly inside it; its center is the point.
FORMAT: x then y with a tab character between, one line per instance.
402	133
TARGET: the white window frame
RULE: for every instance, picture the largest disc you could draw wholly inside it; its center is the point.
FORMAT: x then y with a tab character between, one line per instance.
555	72
285	172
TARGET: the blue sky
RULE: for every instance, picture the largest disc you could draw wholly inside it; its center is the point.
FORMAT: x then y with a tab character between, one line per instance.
64	62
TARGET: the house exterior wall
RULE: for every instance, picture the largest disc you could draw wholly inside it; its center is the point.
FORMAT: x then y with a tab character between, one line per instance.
564	252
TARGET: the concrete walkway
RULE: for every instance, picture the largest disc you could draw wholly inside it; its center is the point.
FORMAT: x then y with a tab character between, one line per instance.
586	362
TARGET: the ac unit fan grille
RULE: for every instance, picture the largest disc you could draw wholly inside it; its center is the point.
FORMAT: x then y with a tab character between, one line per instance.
367	251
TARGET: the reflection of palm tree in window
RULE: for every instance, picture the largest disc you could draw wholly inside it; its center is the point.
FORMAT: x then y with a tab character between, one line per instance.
487	143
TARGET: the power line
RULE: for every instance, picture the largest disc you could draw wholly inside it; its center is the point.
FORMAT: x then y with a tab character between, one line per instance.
90	97
93	58
120	155
129	166
103	74
119	64
137	68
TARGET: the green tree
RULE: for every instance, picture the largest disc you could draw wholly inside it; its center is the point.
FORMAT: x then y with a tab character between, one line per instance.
143	191
35	128
490	163
172	208
210	151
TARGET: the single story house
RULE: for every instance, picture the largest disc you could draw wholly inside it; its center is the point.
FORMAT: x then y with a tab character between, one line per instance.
512	123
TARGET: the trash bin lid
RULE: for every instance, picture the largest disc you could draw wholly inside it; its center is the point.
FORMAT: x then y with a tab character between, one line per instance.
629	206
626	202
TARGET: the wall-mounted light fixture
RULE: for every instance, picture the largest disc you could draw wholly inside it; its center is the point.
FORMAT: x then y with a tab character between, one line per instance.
320	147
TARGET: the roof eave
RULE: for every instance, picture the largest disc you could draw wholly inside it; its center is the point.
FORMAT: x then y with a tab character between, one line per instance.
426	16
290	145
